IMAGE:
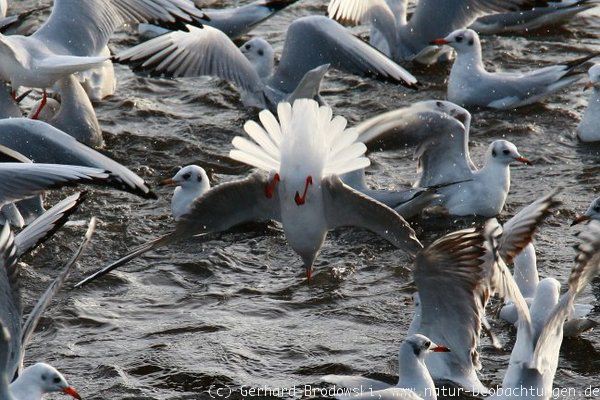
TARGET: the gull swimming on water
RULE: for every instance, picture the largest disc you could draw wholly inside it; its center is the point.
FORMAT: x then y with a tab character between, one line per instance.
234	22
75	36
471	85
312	44
588	129
528	19
191	182
404	39
302	153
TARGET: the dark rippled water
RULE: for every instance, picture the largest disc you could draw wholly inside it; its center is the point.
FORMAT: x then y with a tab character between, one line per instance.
234	309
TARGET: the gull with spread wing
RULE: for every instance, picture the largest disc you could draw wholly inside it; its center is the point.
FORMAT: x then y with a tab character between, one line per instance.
404	39
312	44
75	36
302	153
29	383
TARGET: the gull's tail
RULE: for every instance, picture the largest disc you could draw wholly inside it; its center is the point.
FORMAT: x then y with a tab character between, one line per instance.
306	136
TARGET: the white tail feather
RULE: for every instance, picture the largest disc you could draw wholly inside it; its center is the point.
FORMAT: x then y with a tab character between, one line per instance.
307	140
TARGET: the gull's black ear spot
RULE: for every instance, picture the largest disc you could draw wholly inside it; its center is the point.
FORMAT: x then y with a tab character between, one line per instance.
471	41
494	153
199	178
260	52
439	104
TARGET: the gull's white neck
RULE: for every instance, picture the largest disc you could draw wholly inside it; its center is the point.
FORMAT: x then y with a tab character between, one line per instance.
526	273
184	196
495	177
413	374
23	388
589	127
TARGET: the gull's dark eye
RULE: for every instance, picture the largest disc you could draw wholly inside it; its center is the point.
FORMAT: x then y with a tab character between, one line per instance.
56	379
506	152
459	39
471	41
186	176
260	52
44	377
426	345
248	46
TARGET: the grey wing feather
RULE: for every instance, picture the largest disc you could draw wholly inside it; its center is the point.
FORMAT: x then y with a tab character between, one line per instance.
43	227
18	181
453	316
205	51
519	230
92	22
222	207
44	300
10	298
45	144
345	206
316	40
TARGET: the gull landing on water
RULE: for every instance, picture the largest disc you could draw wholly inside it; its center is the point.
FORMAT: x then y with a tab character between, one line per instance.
302	152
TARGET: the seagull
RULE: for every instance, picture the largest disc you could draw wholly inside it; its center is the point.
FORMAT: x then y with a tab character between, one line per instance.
443	158
29	383
234	22
535	355
592	213
312	44
302	154
470	85
588	129
414	381
527	20
40	142
74	114
75	36
404	39
191	182
528	281
453	316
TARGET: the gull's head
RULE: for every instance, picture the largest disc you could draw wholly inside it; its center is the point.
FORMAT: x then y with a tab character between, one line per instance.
462	40
450	108
421	346
189	177
546	297
594	74
505	153
593	212
303	144
260	54
48	380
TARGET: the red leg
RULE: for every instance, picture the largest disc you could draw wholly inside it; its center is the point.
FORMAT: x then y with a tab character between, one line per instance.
300	200
41	107
270	188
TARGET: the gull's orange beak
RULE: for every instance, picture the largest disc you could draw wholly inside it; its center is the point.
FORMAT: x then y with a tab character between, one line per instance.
523	160
588	86
439	42
72	392
579	219
441	349
167	182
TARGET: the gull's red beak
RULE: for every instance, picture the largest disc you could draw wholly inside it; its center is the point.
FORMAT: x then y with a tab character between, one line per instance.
72	392
588	86
167	182
579	219
523	160
439	42
441	349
